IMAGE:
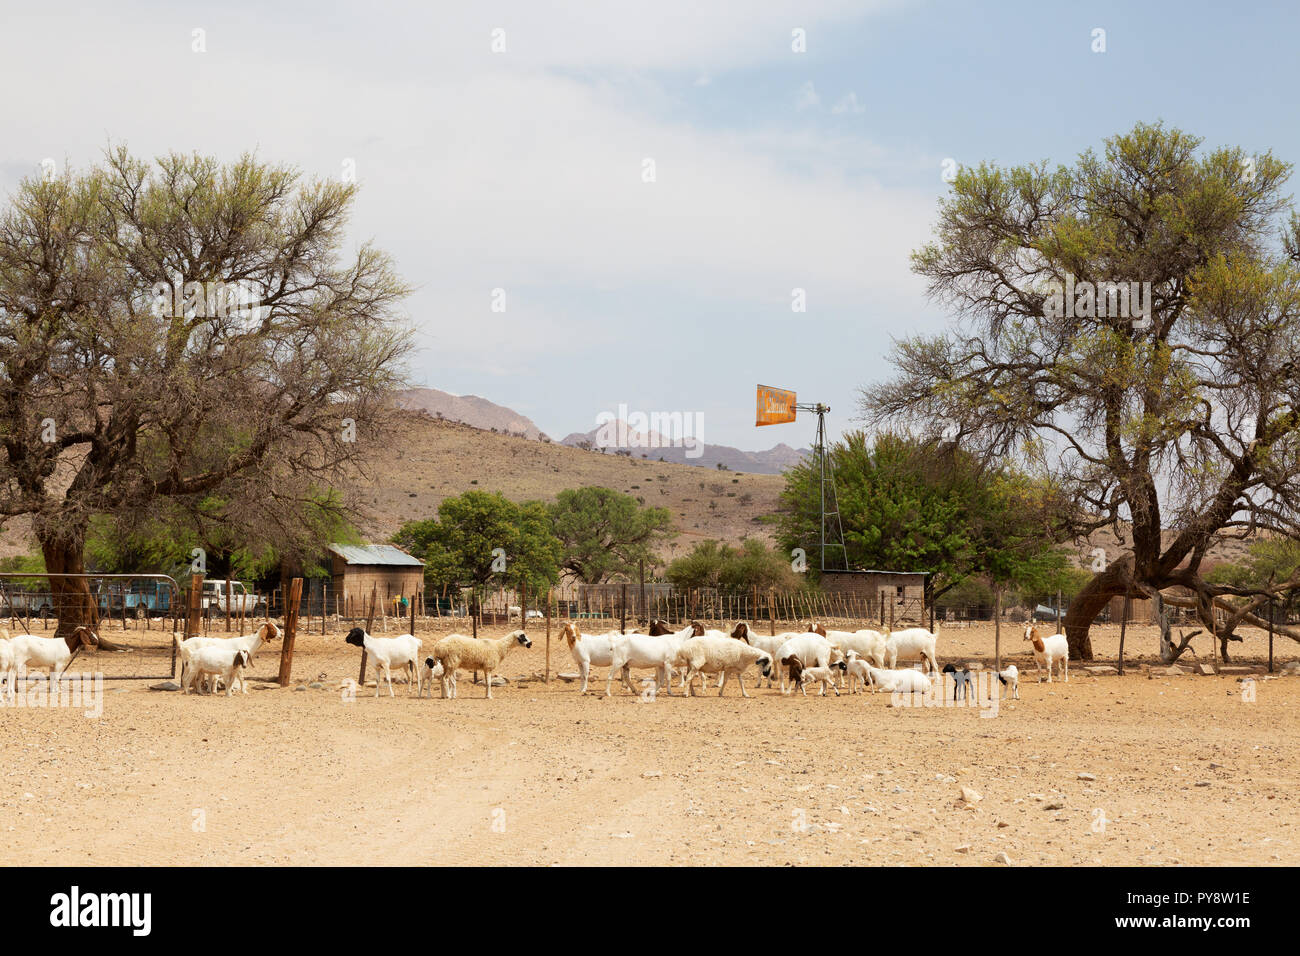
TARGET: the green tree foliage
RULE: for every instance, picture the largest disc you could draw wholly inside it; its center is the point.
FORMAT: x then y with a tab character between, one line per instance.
1174	409
458	546
605	533
1269	562
913	505
714	564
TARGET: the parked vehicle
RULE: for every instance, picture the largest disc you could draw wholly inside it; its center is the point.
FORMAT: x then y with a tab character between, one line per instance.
214	598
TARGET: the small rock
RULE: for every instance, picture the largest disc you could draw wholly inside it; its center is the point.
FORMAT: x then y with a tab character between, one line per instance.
1002	858
964	848
316	685
1056	805
1202	783
652	773
166	685
1086	776
969	797
1205	670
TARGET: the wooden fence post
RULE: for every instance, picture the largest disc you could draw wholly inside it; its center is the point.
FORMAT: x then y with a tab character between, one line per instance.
1123	626
370	620
622	624
290	631
546	678
997	628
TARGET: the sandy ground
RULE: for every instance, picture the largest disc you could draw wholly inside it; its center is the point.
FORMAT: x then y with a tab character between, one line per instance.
1186	770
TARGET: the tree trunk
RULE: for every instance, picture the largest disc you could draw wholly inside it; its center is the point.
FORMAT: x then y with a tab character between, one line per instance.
63	545
1094	596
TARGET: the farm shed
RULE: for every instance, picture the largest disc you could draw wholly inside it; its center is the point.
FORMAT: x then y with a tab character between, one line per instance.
357	570
906	590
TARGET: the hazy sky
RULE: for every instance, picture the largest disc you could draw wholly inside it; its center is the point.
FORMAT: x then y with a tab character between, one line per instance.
524	170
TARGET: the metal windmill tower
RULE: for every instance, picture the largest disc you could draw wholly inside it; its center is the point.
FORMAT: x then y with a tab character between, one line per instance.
776	405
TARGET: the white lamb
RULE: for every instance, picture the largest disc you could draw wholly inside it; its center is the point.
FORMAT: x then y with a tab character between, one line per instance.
812	650
905	681
385	653
1009	678
430	671
1049	652
825	676
458	652
913	643
857	670
720	655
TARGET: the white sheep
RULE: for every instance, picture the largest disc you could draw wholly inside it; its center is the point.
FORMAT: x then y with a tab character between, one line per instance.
812	650
430	671
458	652
1049	651
224	660
30	652
249	642
905	681
720	655
386	653
911	644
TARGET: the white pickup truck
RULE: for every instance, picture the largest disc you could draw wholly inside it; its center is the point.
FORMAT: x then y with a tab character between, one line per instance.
214	598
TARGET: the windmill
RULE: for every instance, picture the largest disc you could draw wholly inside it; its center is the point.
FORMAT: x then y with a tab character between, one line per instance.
777	406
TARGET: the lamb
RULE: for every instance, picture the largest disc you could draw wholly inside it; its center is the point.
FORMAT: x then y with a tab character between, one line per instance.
647	650
720	655
910	644
856	668
1010	678
430	671
402	651
249	642
824	675
224	659
588	649
811	649
458	652
1049	651
52	654
905	681
960	680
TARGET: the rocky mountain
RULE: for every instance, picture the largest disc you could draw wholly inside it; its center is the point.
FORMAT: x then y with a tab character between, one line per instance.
469	410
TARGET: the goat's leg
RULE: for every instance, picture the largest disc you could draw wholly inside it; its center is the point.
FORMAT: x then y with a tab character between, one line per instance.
487	679
627	679
740	679
585	668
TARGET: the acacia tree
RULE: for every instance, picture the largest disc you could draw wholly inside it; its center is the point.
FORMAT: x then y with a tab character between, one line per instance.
184	332
605	532
1174	422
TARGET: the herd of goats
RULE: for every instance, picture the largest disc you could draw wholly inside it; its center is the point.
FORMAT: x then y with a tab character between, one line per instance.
865	657
797	658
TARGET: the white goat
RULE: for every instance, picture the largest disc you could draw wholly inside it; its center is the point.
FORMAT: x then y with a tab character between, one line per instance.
720	655
386	653
811	650
905	681
458	652
30	652
249	642
657	651
1049	651
764	642
224	660
588	650
912	643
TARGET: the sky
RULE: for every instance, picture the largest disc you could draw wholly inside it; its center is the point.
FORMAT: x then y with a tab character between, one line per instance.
622	203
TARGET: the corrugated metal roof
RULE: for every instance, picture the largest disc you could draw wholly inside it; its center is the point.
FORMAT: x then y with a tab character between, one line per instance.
375	554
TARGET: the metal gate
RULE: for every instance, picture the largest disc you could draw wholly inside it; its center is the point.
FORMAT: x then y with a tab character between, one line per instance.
133	612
